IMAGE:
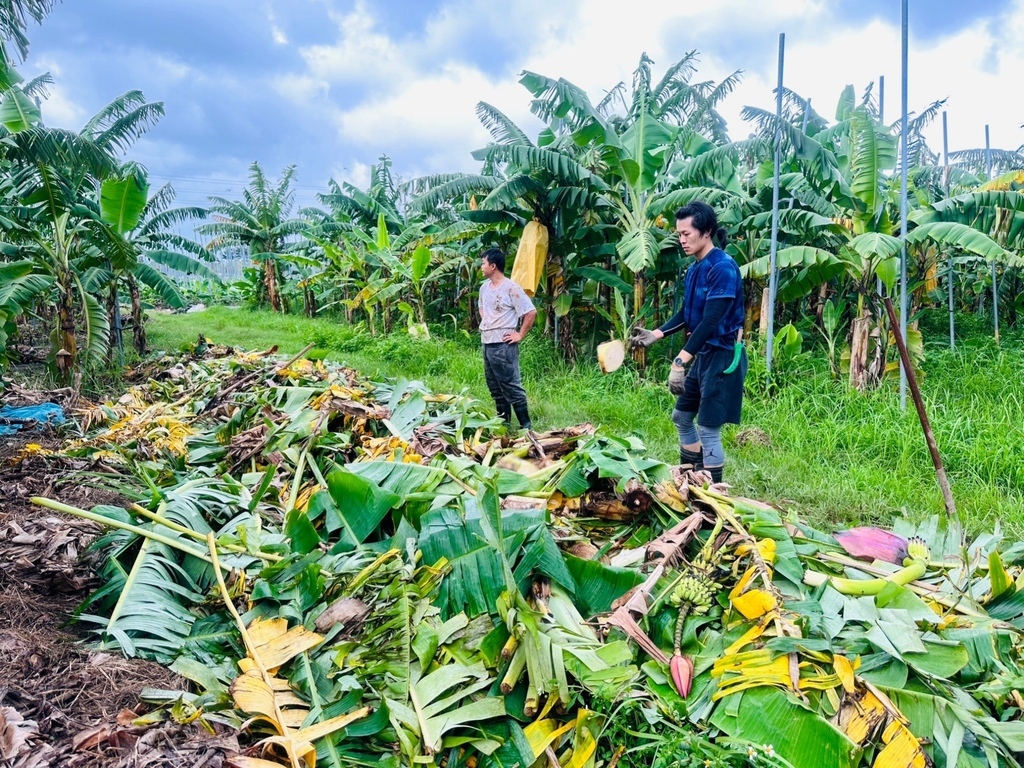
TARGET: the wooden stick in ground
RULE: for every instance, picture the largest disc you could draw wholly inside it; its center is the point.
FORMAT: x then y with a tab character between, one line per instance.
915	391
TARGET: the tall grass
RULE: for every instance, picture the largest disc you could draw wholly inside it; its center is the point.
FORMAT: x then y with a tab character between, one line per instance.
835	455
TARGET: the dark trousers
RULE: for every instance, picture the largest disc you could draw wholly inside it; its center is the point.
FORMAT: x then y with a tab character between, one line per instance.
501	372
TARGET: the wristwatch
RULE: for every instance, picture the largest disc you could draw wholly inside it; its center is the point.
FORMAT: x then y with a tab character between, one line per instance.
678	363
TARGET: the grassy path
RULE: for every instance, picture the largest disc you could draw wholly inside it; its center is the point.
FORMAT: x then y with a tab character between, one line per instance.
833	455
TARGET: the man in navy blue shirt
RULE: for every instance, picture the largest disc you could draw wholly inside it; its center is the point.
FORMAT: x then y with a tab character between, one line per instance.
707	375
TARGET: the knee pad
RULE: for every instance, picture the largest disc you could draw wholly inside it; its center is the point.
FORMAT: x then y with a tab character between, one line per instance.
683	421
711	443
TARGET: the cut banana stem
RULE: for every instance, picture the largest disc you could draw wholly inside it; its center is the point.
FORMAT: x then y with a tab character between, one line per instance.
514	671
532	703
854	587
510	647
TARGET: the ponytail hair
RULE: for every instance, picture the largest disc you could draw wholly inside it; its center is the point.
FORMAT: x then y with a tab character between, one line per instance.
722	236
704	220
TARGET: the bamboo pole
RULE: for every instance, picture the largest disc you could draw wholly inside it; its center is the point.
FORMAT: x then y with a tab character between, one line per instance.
933	449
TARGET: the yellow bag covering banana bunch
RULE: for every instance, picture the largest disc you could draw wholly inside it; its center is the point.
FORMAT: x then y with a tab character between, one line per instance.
530	258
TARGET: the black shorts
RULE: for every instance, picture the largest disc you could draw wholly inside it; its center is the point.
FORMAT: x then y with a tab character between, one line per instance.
715	396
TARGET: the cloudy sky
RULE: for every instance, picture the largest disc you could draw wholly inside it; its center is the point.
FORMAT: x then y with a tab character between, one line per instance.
330	85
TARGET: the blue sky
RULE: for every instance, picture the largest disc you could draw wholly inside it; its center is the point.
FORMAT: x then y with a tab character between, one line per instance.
330	85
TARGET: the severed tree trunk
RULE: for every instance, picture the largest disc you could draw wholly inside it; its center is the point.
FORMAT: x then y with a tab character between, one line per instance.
67	352
763	324
752	312
138	320
270	282
860	341
639	353
114	334
309	301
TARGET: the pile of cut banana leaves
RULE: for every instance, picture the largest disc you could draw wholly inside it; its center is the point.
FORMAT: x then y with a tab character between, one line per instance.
361	573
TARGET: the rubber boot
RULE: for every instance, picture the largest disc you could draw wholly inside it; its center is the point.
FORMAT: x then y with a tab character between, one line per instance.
505	412
523	414
691	459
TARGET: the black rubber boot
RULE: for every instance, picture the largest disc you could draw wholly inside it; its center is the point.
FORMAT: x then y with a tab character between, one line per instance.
691	459
505	412
715	472
523	414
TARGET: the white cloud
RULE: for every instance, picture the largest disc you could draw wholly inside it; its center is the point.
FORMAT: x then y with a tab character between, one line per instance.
361	55
301	89
437	111
61	111
421	89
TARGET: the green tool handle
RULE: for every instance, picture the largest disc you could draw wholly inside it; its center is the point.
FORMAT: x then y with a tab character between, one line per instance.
737	353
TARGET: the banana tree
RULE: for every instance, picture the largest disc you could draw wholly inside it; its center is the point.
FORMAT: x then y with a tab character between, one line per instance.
15	16
632	155
144	222
51	225
261	223
852	163
991	210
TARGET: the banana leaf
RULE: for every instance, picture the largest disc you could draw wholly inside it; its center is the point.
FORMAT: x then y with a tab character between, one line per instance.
152	617
401	478
945	536
1009	607
598	585
478	574
955	736
434	706
514	750
352	506
769	716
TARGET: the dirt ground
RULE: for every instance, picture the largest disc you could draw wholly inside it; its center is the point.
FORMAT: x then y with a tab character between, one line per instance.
62	704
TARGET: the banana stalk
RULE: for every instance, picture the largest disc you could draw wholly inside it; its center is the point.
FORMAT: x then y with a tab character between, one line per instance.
915	565
510	647
515	670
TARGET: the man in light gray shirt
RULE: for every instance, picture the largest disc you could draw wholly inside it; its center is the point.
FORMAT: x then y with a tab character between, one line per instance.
502	305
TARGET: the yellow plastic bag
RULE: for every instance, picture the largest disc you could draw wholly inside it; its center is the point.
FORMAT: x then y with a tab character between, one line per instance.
531	257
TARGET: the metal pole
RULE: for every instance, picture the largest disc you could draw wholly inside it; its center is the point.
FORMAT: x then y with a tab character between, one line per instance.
879	288
904	298
995	283
773	278
881	99
945	188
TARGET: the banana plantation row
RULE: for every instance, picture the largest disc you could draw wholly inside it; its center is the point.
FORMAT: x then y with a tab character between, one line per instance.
80	226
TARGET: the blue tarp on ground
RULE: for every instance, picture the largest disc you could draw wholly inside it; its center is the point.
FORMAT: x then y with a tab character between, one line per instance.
45	413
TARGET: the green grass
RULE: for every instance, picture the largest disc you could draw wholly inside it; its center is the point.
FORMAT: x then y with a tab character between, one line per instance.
836	456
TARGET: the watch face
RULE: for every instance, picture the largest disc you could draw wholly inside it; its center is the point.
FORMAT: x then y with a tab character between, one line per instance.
678	362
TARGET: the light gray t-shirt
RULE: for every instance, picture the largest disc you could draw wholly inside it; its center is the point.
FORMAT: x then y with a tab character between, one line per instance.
500	309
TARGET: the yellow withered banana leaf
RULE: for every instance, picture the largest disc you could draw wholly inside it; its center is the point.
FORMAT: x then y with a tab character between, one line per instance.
244	761
545	732
902	749
752	603
274	644
259	692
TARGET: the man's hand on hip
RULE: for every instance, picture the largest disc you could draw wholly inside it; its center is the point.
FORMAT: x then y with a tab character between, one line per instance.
512	337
